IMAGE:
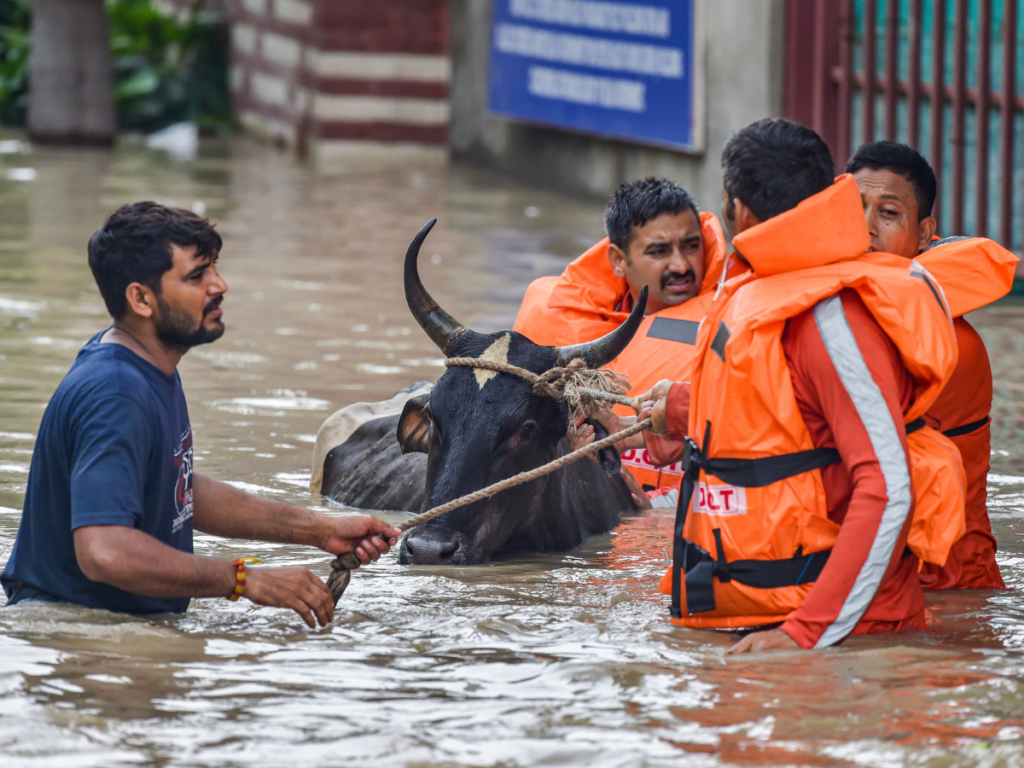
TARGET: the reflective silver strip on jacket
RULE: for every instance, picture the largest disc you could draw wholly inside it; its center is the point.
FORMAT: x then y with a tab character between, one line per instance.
874	413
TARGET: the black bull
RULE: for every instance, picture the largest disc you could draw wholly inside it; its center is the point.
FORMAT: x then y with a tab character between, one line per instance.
477	427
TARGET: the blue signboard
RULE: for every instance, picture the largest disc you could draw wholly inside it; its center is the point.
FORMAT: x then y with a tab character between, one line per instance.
622	68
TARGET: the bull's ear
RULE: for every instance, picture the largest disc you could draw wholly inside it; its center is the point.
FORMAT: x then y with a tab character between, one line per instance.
414	426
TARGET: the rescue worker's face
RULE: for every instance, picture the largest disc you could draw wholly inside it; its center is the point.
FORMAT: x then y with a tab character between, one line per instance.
667	255
890	206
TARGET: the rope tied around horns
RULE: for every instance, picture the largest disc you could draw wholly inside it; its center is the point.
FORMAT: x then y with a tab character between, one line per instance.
585	390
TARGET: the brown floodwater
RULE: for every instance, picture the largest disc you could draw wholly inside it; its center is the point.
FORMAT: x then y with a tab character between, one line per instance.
559	659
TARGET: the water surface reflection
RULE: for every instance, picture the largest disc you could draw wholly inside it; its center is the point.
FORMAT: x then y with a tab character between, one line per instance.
545	660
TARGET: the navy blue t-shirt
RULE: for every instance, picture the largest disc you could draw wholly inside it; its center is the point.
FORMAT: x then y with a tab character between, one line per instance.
114	448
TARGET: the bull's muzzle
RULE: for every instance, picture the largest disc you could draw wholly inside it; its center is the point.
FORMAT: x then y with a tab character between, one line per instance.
435	546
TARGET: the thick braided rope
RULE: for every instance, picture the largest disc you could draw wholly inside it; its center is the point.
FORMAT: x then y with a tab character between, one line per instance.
578	385
524	477
560	383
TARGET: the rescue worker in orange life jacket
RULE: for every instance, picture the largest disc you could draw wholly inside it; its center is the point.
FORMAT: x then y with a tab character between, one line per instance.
798	502
656	238
898	188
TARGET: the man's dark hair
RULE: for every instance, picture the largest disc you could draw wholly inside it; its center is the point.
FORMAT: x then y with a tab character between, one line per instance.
134	246
774	164
636	203
904	161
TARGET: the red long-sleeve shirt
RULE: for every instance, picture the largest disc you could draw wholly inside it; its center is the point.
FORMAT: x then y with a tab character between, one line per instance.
855	488
965	401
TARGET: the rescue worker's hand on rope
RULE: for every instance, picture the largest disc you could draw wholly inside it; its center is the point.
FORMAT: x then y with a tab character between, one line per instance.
581	435
769	640
653	405
614	423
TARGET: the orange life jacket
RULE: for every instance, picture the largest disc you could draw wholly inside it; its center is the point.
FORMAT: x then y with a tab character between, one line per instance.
973	271
583	303
758	533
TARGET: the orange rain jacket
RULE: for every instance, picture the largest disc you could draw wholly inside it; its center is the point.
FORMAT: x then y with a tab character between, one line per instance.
586	302
973	272
753	544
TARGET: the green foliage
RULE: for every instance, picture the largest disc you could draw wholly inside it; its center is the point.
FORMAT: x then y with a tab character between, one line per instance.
165	71
14	47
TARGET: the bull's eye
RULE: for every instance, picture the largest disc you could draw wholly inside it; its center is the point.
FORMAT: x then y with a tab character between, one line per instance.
527	431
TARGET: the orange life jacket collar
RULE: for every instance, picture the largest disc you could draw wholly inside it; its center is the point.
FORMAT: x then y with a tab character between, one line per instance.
589	284
973	271
826	228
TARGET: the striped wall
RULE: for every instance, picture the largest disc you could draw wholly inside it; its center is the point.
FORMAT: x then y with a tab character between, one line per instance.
313	72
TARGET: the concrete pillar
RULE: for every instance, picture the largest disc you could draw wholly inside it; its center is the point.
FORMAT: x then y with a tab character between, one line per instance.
71	98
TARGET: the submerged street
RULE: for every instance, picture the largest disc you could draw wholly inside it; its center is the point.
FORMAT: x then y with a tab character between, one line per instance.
565	659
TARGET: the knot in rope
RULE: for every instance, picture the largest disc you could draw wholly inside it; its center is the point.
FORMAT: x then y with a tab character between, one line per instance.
552	383
585	390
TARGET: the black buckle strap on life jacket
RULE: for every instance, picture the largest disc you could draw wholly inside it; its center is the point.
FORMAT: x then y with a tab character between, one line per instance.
761	574
966	429
682	562
698	564
963	429
915	425
685	555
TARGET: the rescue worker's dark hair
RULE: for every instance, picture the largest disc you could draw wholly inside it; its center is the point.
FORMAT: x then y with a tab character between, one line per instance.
904	161
773	165
134	246
636	203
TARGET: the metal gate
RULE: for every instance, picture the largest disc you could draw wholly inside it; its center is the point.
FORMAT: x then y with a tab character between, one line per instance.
941	75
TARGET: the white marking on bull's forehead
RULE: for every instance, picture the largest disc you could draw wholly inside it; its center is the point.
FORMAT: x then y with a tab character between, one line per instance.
498	351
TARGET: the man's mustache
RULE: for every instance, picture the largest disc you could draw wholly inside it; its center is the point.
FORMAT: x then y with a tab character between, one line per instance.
212	305
677	276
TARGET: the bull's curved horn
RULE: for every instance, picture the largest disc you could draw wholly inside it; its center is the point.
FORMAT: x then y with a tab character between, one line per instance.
600	352
439	325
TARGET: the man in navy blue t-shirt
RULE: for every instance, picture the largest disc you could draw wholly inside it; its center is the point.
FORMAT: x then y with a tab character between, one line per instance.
112	496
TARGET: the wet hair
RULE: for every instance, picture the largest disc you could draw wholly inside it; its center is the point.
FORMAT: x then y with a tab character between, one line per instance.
134	246
904	161
638	202
774	164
